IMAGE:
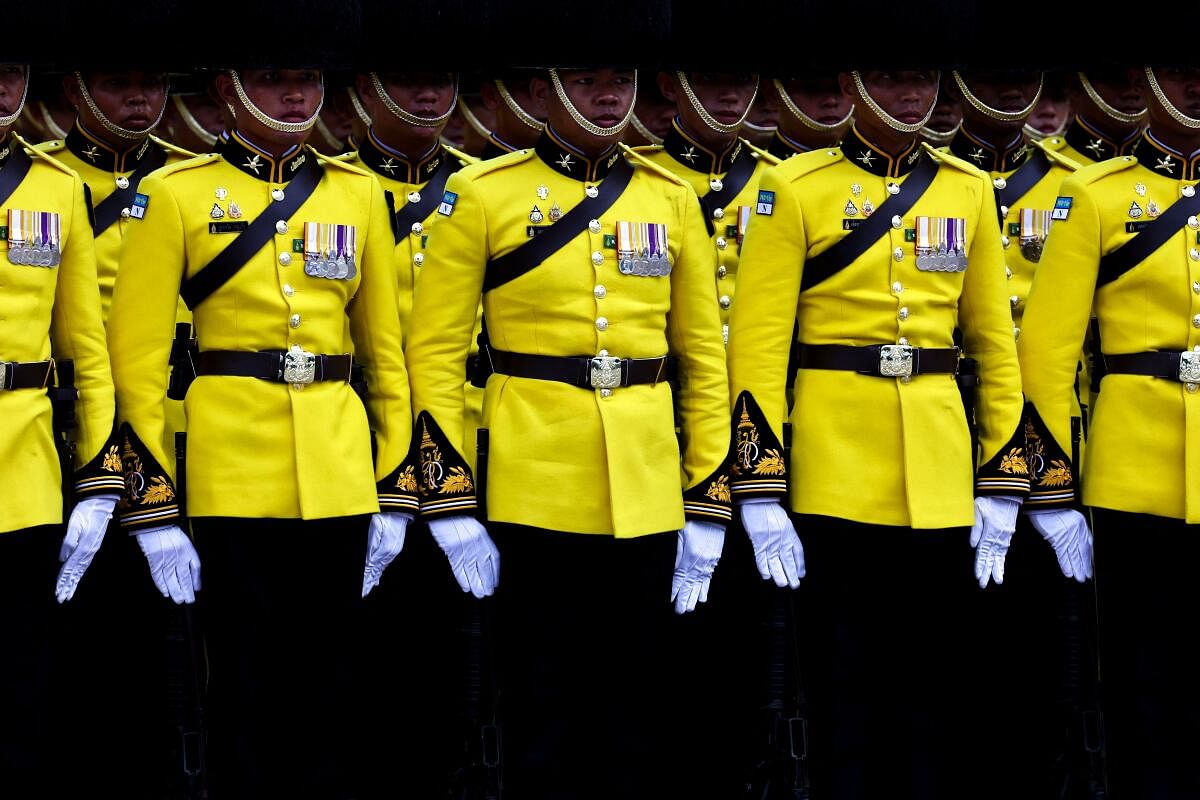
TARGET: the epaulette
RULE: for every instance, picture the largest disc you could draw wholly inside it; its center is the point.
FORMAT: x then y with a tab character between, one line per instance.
48	146
350	156
640	160
464	158
1094	172
188	163
803	164
647	149
1051	142
1054	156
43	154
499	162
765	156
172	148
951	160
338	161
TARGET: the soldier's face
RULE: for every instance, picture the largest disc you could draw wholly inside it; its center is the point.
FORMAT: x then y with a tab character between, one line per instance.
655	111
1181	85
724	95
286	95
903	94
132	100
602	96
1009	91
1123	89
12	88
422	94
819	98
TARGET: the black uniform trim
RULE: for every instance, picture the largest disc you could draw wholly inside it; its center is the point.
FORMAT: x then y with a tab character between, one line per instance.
1162	160
710	500
877	162
239	152
1020	182
1007	473
149	500
399	491
566	160
784	147
393	164
91	149
104	474
495	148
1092	143
431	195
444	481
988	157
693	155
1146	241
1051	472
109	210
759	468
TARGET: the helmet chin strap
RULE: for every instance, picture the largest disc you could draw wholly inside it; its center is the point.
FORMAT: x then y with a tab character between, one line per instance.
805	119
108	124
269	121
191	122
584	122
995	113
886	118
1104	106
1175	114
521	114
407	116
8	119
702	112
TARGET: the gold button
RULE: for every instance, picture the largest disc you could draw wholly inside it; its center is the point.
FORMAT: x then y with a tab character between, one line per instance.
418	259
1014	301
726	301
999	183
722	271
606	393
600	291
281	226
285	258
1196	321
1016	332
597	258
897	287
1194	254
898	254
594	226
122	182
903	341
601	323
721	243
125	212
1004	240
893	188
1188	191
1004	210
1196	287
716	185
288	291
896	221
294	321
418	228
718	213
1008	272
414	197
591	191
903	313
277	195
1193	223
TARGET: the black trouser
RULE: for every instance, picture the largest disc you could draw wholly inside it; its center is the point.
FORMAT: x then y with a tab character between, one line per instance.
28	563
586	665
1146	584
885	623
412	684
281	605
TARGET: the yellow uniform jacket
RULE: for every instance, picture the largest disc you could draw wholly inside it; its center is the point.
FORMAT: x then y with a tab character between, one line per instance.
878	450
1143	451
257	448
1084	144
51	311
566	458
705	172
782	147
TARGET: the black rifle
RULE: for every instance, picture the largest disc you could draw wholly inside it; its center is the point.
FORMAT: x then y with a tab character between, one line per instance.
480	776
63	395
185	658
184	350
782	771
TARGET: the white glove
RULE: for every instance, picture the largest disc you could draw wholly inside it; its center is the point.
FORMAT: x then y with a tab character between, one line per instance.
473	557
1067	532
174	563
385	540
696	555
991	536
777	549
85	534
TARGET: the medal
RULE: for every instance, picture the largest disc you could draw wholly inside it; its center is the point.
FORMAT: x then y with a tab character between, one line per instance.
850	210
329	250
642	249
555	213
940	244
535	216
235	211
1035	227
868	208
216	212
1135	210
34	238
543	191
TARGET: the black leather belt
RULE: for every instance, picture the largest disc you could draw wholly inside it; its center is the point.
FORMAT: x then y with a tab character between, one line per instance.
601	372
273	365
885	361
25	374
1171	365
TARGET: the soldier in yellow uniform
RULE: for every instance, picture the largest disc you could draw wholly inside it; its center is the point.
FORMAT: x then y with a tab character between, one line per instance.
760	124
595	269
49	317
193	120
1125	248
875	252
946	117
814	114
1109	113
652	116
273	247
704	149
519	119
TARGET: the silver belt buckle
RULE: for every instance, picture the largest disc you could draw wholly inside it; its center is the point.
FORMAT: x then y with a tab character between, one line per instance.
4	374
896	361
605	371
1189	367
299	367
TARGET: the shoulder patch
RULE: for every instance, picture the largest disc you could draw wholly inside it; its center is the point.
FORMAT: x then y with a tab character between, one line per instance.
1094	172
446	207
172	148
463	158
472	171
1053	154
803	164
951	160
339	161
766	203
42	152
188	163
639	159
760	154
1062	208
50	146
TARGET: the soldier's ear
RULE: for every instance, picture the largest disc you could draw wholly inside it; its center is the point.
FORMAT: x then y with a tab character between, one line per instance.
71	90
490	95
539	90
225	91
846	84
667	86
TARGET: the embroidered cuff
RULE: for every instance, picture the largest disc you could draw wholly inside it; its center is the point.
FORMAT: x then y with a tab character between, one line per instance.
446	486
149	500
104	473
759	467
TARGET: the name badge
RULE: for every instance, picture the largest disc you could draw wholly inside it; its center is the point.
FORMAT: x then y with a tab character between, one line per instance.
642	249
941	244
329	250
34	238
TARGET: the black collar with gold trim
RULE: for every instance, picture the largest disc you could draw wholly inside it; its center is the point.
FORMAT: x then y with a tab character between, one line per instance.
1094	144
693	155
876	161
496	147
1162	160
253	161
91	150
987	157
7	145
566	160
395	165
784	146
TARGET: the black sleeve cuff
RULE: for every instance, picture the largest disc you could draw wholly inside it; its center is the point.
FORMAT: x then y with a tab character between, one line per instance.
759	466
1007	473
149	500
446	486
710	500
398	491
103	474
1051	473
